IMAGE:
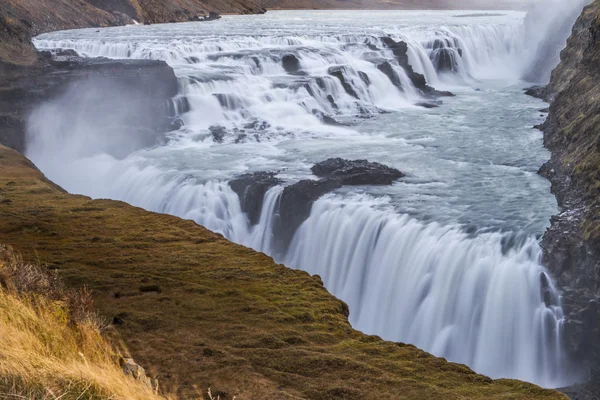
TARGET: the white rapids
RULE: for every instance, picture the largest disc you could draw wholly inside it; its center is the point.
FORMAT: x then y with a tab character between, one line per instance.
446	259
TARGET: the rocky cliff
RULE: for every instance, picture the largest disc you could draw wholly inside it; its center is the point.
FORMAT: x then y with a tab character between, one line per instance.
22	19
572	134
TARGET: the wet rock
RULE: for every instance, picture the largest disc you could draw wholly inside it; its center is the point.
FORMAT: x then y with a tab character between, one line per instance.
218	133
332	101
538	92
445	60
364	77
400	50
429	104
294	208
257	125
338	72
181	105
327	119
66	53
251	189
388	70
291	64
356	172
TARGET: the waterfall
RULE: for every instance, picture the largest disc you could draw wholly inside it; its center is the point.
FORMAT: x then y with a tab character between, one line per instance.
476	297
467	299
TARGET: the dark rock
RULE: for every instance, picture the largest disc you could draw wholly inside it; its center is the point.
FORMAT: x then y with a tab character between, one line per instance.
181	105
429	104
212	16
138	91
364	77
257	125
294	208
291	64
356	172
400	50
327	119
332	101
444	60
388	70
66	53
218	133
338	72
538	92
251	189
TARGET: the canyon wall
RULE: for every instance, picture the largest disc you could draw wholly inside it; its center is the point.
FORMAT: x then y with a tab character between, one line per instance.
572	134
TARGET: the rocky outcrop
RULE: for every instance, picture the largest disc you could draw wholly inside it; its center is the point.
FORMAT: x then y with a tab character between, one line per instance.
147	85
356	172
291	64
572	134
339	73
251	189
400	51
296	200
137	372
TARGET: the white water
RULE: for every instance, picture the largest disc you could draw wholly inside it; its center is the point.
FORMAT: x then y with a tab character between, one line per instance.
446	259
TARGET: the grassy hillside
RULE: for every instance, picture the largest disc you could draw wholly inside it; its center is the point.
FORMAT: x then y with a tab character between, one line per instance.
203	312
51	345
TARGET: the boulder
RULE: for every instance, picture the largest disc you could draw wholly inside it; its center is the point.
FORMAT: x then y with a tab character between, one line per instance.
218	133
429	104
539	92
356	172
136	372
291	64
251	189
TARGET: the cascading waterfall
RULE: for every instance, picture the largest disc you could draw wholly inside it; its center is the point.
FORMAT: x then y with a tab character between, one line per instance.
482	299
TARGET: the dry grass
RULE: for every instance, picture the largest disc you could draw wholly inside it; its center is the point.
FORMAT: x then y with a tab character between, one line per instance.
51	346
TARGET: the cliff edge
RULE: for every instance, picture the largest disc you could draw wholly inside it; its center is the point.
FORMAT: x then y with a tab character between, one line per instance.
572	134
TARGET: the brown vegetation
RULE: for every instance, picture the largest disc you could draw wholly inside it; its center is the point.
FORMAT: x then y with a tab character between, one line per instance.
51	345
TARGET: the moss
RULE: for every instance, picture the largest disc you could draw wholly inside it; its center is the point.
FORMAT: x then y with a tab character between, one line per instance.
226	317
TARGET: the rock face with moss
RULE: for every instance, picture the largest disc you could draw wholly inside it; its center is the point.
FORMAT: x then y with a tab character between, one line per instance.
200	311
572	134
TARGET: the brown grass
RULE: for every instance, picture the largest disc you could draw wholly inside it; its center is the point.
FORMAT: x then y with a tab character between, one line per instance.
51	346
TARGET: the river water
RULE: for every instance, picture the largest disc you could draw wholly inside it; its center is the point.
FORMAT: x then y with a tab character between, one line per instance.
447	258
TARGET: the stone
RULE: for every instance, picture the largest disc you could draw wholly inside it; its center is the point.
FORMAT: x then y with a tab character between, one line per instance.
356	172
251	189
338	72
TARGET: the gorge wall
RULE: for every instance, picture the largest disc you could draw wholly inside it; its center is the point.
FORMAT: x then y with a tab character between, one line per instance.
572	134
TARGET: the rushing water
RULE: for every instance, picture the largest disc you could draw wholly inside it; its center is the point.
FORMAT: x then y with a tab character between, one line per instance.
447	258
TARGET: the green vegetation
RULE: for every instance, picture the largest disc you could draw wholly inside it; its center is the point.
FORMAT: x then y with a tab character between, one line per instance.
203	312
